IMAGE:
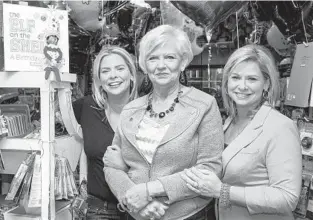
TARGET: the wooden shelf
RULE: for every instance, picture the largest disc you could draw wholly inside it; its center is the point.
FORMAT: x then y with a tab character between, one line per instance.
22	144
66	146
33	80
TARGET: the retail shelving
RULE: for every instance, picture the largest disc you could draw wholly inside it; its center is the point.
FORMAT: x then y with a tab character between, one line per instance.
68	146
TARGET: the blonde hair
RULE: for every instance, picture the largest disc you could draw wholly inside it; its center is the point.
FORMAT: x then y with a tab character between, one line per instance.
158	37
99	94
266	62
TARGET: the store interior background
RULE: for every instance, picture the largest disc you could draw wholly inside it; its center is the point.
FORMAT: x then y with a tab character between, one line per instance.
281	26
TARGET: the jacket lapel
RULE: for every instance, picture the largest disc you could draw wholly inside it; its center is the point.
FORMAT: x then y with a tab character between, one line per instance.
130	124
181	123
249	134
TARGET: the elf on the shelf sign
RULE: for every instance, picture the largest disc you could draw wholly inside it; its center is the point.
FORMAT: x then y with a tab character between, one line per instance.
27	33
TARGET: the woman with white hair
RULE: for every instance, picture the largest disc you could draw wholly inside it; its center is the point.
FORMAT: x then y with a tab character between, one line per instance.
172	128
114	85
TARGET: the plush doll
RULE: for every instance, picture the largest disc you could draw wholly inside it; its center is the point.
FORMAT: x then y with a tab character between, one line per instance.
53	55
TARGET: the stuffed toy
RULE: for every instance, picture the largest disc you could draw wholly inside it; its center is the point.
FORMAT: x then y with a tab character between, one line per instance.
52	52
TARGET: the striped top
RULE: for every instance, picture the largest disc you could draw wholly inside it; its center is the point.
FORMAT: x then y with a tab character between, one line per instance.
149	136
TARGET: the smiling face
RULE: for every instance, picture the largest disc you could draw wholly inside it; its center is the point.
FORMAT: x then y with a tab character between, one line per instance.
114	75
246	84
164	65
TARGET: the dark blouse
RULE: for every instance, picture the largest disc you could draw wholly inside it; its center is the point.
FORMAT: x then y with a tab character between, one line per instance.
98	135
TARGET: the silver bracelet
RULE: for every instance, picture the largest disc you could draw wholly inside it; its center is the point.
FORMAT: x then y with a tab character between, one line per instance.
225	196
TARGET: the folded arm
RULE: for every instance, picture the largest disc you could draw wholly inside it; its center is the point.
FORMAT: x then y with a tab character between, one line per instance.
210	147
117	179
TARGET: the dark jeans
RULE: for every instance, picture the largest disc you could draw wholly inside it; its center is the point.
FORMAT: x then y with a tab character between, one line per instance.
102	210
207	213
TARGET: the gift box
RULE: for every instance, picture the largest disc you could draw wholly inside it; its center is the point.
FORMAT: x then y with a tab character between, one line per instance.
33	38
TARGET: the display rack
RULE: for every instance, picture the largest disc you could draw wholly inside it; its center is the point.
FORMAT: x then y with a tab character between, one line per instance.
68	146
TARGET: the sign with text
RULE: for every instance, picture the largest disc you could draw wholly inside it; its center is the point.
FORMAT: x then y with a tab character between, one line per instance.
26	32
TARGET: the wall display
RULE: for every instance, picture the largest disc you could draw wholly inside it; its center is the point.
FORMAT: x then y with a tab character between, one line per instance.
28	33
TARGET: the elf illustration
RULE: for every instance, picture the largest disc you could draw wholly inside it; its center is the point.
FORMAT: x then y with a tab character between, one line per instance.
52	52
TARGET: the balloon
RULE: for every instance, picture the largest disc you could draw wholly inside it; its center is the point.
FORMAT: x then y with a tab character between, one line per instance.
278	41
124	20
172	16
287	15
86	14
208	13
140	19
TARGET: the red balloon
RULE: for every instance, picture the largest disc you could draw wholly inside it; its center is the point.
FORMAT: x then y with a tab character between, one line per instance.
208	13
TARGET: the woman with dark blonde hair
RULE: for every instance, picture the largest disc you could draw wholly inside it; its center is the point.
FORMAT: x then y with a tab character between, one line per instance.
262	160
114	85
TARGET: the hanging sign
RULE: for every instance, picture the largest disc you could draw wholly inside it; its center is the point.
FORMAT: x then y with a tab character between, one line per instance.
27	32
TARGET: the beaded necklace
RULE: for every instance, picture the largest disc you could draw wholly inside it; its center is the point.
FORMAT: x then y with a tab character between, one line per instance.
162	114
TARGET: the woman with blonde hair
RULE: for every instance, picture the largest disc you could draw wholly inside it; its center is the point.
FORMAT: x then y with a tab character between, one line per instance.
114	85
262	161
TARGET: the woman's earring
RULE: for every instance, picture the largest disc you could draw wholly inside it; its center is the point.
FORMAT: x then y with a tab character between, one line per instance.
183	78
146	86
146	80
265	95
131	85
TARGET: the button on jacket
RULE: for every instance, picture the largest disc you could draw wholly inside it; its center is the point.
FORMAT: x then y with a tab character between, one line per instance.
194	138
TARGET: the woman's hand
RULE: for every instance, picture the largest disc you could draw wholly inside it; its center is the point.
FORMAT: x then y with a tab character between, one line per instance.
113	158
203	182
154	210
136	198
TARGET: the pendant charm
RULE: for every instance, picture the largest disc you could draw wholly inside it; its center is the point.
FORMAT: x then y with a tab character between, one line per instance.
161	115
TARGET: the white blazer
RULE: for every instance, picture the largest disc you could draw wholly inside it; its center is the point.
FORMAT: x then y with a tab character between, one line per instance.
265	159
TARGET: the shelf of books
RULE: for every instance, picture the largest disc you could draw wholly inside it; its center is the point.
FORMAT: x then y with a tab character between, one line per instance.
20	143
